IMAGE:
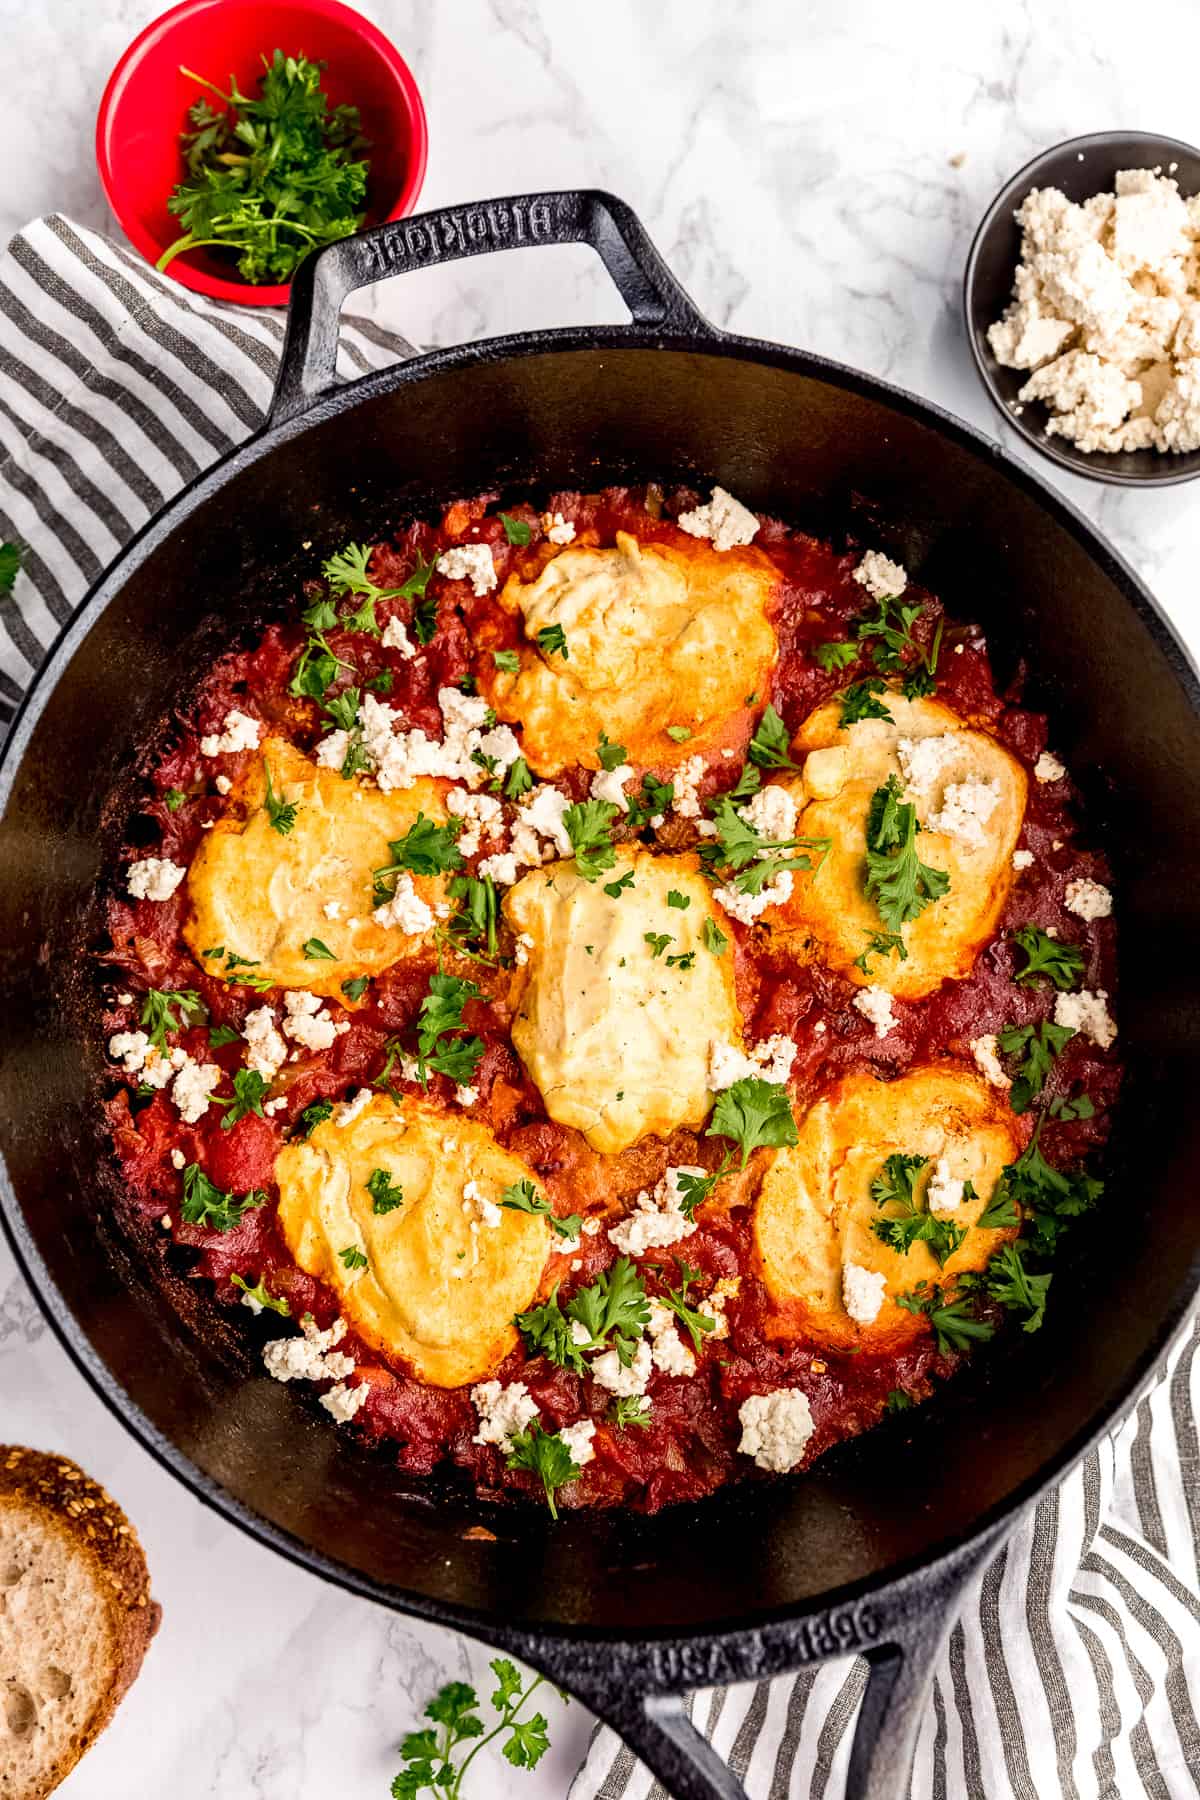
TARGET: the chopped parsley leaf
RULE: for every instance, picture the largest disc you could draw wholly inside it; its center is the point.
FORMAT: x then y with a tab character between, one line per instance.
609	755
522	1196
355	989
205	1204
1048	1197
547	1332
316	951
281	812
859	701
954	1323
686	960
515	530
174	799
654	801
341	713
545	1455
248	1090
630	1409
317	665
519	780
442	1012
657	940
754	860
614	889
694	1322
753	1112
896	1186
552	641
425	849
771	744
472	928
898	1401
261	1298
588	825
834	657
385	1197
900	884
679	901
158	1015
1010	1283
1037	1046
507	660
694	1190
881	943
714	938
747	785
1059	963
614	1306
352	1257
383	682
222	1034
679	734
314	1115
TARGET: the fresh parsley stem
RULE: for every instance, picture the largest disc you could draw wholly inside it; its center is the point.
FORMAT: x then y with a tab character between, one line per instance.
507	1719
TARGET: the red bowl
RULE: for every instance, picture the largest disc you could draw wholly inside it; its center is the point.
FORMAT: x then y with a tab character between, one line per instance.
144	109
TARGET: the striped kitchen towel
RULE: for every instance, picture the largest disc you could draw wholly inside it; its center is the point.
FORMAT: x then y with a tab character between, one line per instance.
1075	1667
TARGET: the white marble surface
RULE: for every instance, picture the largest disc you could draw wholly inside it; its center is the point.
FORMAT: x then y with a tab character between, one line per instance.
813	174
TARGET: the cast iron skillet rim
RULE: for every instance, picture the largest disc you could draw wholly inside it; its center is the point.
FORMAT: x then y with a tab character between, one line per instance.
62	1322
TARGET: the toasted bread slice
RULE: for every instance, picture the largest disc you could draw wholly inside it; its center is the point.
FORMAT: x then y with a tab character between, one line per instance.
75	1617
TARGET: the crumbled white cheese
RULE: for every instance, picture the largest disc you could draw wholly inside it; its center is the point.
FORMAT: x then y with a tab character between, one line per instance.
476	1202
658	1219
223	784
776	1428
466	1096
875	1004
395	637
965	810
502	868
192	1087
724	520
523	946
178	1159
1102	312
723	1292
405	910
924	761
483	815
772	813
1022	859
130	1049
558	530
669	1351
346	1111
1086	1012
882	578
267	1050
503	1412
342	1402
578	1439
745	908
609	784
769	1060
154	878
241	732
686	780
332	909
306	1024
944	1191
400	758
987	1061
1048	768
542	812
621	1379
863	1291
469	562
1088	899
310	1357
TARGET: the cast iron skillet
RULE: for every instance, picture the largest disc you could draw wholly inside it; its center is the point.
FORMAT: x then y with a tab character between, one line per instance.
870	1552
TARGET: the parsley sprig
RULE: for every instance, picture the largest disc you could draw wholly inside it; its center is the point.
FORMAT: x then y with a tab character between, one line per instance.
346	573
893	648
910	1223
249	1089
613	1306
429	1754
270	178
749	861
1047	959
472	929
317	664
546	1455
1037	1046
588	824
696	1323
158	1012
425	849
900	884
955	1326
280	811
522	1196
438	1023
753	1112
206	1204
770	747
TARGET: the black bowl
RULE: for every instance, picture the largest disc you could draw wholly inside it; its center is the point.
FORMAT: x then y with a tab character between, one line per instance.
1081	167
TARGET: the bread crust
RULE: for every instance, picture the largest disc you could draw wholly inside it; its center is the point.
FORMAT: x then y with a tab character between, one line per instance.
67	1502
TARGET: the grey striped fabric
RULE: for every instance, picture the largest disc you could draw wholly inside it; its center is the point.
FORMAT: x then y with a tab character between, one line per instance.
1075	1667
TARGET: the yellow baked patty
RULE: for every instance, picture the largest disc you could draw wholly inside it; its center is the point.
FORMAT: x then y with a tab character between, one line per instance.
655	636
815	1211
828	916
263	895
615	1028
441	1284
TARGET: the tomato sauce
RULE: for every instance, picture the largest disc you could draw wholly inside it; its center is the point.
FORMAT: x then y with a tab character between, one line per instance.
690	1447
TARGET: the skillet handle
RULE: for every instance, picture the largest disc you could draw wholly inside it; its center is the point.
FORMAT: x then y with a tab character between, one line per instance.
574	216
906	1643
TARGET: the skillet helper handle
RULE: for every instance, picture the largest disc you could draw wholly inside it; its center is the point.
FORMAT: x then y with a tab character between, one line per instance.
901	1646
573	216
